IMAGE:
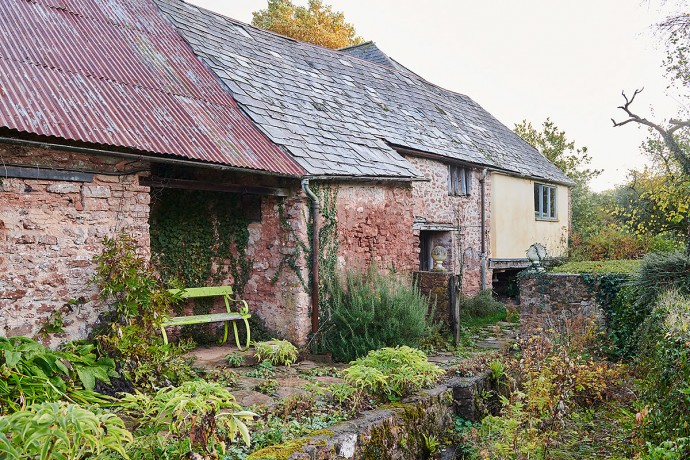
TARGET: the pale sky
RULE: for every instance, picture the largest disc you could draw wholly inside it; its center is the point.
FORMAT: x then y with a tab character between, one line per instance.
529	59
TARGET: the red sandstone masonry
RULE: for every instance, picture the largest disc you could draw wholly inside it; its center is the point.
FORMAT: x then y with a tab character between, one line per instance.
284	306
50	232
375	226
433	203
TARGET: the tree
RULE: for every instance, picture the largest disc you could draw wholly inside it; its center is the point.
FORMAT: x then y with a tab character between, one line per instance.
655	200
555	146
673	132
317	23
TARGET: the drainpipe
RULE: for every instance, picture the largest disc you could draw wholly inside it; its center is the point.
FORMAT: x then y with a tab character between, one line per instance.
314	256
482	181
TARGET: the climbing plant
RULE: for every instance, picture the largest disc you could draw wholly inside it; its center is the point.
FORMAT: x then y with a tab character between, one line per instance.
198	238
328	243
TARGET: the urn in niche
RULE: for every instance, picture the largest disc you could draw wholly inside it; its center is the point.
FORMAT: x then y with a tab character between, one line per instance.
439	254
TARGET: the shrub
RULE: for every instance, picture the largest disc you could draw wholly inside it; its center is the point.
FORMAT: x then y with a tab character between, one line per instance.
622	266
125	278
31	373
392	372
62	431
662	272
371	310
664	350
624	317
277	352
481	305
197	416
608	243
665	242
554	377
140	304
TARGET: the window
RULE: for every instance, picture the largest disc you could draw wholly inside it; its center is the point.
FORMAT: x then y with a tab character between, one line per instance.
458	180
545	202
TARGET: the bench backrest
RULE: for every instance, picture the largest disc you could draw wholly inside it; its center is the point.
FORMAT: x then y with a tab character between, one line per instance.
193	293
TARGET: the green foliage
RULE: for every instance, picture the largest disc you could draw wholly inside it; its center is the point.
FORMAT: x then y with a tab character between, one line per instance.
481	305
328	245
197	416
667	450
277	352
660	273
665	364
317	23
31	373
608	243
622	266
264	370
200	238
236	359
267	387
497	368
52	325
141	303
553	380
61	431
624	317
392	372
124	278
654	200
371	310
146	361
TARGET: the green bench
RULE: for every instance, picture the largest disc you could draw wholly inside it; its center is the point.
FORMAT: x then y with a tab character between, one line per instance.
230	316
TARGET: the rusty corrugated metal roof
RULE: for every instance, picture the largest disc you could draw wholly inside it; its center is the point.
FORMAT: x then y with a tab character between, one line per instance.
115	72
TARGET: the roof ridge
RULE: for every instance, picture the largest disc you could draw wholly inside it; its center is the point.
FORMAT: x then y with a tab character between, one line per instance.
285	37
368	42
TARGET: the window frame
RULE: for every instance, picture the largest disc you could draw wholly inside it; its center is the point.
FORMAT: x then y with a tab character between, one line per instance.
545	204
459	180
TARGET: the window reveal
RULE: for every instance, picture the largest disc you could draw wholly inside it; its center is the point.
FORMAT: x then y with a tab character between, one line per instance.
545	202
458	180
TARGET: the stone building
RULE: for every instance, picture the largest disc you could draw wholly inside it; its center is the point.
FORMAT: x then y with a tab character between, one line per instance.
107	105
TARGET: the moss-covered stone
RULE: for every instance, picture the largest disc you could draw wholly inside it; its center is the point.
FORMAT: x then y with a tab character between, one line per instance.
279	451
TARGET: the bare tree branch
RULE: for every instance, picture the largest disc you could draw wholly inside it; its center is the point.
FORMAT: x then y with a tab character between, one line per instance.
666	133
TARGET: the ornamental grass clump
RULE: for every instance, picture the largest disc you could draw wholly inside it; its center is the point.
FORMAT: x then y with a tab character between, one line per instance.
370	310
393	373
277	352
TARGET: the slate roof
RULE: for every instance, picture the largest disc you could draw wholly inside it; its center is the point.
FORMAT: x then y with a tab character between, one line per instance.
116	73
338	114
369	52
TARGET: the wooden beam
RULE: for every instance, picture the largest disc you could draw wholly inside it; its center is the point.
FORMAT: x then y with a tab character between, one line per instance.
39	172
160	182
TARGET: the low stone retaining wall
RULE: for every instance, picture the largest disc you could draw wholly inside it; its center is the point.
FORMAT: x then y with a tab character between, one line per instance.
552	300
394	432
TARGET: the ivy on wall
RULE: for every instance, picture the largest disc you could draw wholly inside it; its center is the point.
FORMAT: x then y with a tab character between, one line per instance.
198	238
328	245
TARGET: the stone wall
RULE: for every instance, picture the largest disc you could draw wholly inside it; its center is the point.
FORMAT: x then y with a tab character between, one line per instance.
283	304
556	300
399	430
433	205
51	230
375	226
